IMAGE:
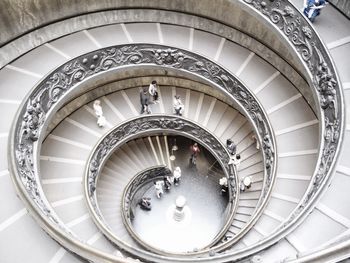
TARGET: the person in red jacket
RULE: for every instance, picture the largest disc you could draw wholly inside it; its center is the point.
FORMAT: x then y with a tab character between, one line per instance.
194	153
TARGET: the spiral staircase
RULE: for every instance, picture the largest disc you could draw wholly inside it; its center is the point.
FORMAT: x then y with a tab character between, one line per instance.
296	209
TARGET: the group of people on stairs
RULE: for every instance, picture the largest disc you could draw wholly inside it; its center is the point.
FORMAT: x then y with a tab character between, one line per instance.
160	186
148	95
235	160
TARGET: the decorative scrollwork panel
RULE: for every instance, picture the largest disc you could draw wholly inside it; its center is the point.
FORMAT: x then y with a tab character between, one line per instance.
56	88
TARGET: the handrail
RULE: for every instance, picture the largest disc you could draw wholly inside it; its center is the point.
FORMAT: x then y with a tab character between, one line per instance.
326	89
140	179
330	145
333	252
59	86
148	125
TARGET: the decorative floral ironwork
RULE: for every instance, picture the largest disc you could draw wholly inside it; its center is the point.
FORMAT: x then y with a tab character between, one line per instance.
326	86
33	119
138	181
169	57
280	13
308	45
146	124
24	155
53	89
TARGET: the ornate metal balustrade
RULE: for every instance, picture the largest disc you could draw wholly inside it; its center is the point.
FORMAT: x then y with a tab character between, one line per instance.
129	198
146	126
327	92
61	85
35	113
144	177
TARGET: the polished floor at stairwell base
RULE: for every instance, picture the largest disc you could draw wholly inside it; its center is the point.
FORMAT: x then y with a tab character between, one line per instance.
204	213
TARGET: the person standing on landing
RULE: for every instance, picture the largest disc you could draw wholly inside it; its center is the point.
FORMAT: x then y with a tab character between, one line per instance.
177	175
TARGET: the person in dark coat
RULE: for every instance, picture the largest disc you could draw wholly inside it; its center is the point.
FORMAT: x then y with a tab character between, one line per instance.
145	203
167	183
145	100
231	146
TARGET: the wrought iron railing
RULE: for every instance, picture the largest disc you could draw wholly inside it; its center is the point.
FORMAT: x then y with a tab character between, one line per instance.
51	93
146	126
142	178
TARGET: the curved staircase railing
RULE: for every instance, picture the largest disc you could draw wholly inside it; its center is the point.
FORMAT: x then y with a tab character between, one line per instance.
44	100
147	125
63	83
138	181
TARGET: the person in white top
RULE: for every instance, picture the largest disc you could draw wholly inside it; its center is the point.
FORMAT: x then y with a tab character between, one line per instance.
237	161
159	188
178	105
177	175
101	120
153	91
255	139
224	185
245	183
234	163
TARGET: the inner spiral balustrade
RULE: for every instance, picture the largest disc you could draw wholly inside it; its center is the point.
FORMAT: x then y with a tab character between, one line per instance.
149	125
156	229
